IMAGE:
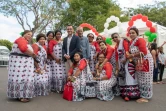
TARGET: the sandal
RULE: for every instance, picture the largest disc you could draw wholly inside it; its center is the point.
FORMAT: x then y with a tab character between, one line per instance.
142	100
24	100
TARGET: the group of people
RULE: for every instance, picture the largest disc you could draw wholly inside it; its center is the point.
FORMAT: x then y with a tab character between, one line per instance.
159	62
50	63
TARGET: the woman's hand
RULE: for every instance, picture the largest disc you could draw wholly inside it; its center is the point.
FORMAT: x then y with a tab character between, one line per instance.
38	70
69	78
124	61
129	56
116	73
58	61
97	66
96	78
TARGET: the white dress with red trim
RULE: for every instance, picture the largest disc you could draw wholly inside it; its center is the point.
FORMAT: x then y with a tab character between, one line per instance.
145	79
79	84
128	83
59	75
41	80
104	87
20	74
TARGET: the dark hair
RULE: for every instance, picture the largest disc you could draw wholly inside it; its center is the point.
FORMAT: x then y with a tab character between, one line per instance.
91	34
49	32
56	31
100	54
98	37
160	49
69	25
102	42
135	29
40	36
81	56
153	46
114	34
26	31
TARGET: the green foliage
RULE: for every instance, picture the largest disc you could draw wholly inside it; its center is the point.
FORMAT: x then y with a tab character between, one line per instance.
94	12
6	43
155	13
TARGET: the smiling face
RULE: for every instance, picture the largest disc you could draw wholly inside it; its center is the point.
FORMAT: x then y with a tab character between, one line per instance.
28	36
99	39
102	45
50	36
58	35
90	37
42	41
101	58
77	57
115	38
133	34
80	32
70	30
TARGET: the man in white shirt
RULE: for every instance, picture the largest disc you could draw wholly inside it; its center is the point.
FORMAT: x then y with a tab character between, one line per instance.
71	45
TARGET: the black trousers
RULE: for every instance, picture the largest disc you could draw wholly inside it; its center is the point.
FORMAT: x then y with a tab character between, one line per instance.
161	72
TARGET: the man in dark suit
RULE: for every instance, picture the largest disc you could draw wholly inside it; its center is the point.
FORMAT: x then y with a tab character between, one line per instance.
71	45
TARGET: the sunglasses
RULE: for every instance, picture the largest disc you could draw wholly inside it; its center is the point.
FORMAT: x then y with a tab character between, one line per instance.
114	37
99	39
91	37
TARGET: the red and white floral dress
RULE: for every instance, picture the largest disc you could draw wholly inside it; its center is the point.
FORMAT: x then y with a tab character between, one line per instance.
41	80
20	71
58	70
145	79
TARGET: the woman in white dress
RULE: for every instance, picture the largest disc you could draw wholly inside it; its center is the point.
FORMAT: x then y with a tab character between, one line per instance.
105	80
50	36
21	69
127	80
58	66
145	78
41	73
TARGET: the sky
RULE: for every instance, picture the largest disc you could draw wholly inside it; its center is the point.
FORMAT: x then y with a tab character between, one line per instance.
11	30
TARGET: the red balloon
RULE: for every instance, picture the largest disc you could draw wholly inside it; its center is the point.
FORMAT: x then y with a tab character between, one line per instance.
152	29
96	33
144	18
90	27
148	23
134	18
130	23
128	28
127	34
139	16
104	38
94	30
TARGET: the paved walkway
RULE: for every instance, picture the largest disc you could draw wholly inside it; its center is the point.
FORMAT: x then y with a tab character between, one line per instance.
54	102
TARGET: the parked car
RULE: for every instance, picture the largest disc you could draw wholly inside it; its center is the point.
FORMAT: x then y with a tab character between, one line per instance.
4	56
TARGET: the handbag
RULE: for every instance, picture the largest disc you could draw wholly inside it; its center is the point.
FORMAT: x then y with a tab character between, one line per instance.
68	91
90	89
142	64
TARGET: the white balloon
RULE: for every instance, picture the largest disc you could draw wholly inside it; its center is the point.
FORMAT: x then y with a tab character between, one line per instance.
119	24
120	30
113	17
108	20
116	19
106	25
106	31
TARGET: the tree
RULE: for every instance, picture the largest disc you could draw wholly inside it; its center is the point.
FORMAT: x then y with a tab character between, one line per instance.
6	43
155	13
94	12
34	15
